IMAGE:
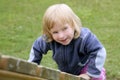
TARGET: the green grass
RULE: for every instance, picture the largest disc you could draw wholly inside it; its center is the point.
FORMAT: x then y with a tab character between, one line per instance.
20	25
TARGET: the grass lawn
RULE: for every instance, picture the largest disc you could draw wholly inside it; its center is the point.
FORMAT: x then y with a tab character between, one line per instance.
20	25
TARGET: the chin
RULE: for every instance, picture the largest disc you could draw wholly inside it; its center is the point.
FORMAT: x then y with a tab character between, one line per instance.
65	43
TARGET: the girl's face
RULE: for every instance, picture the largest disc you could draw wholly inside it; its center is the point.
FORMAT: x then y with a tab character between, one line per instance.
62	34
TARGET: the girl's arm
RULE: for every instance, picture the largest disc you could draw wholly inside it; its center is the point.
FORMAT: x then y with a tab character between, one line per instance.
97	54
39	48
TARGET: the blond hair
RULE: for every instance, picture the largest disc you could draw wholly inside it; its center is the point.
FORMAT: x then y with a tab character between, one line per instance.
60	13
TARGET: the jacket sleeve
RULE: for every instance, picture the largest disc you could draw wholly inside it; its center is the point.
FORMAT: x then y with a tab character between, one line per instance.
39	48
97	54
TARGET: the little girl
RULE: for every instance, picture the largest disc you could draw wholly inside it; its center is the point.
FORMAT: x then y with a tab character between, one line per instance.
76	50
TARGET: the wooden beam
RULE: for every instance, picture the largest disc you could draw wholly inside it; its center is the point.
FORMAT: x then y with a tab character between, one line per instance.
7	75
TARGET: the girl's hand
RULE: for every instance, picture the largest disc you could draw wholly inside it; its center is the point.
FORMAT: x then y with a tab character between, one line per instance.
85	76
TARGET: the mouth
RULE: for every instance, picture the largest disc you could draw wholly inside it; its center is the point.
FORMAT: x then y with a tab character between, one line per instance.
64	41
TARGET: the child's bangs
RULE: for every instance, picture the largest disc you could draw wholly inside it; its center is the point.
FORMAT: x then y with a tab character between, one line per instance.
59	15
61	19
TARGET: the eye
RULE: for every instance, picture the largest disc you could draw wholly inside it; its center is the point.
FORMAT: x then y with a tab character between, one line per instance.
55	32
65	28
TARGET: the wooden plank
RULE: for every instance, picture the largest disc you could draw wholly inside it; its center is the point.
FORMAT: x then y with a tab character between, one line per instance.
7	75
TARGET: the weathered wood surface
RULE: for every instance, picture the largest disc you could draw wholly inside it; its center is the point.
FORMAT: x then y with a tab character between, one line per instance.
8	75
17	69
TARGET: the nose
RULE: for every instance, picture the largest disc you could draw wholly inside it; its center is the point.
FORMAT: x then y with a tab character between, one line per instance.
61	35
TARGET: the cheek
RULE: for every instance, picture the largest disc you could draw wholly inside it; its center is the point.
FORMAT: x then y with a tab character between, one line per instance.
71	32
54	37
